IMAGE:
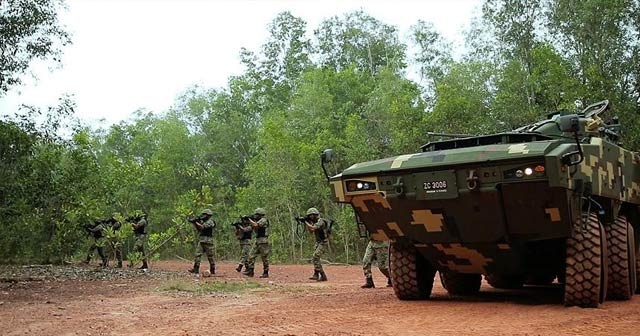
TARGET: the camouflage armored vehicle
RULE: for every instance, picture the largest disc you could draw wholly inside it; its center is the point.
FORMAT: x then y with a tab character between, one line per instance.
557	199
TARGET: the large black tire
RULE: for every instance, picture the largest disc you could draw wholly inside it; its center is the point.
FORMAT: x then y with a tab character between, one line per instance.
460	283
635	260
621	260
585	274
412	275
504	281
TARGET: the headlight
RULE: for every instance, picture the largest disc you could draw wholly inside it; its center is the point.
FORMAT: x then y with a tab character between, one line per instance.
360	186
525	171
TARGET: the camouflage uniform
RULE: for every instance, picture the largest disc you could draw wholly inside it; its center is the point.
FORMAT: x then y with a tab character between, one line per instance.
379	251
319	227
244	233
116	243
98	244
261	247
206	246
140	231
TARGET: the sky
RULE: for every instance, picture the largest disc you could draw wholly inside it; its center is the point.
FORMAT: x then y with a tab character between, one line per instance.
132	54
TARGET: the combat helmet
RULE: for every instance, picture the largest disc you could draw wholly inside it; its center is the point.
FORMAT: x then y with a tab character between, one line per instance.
260	211
313	211
207	212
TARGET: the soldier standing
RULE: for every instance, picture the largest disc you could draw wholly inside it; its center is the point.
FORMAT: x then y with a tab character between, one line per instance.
115	240
140	229
260	225
204	224
378	250
98	242
319	227
244	231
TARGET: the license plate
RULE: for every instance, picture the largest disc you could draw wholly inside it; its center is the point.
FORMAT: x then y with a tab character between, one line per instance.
436	185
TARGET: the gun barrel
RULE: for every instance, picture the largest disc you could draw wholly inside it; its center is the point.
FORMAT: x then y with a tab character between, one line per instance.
449	135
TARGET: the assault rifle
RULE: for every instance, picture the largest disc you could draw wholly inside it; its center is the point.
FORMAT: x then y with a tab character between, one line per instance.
194	220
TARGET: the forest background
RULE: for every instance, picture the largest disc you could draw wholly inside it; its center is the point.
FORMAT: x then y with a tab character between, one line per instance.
257	141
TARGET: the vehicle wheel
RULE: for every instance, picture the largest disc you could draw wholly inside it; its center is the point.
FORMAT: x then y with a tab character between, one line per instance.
504	281
460	283
585	265
412	275
634	262
542	279
621	263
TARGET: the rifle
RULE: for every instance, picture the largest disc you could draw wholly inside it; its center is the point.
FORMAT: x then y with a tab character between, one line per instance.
194	220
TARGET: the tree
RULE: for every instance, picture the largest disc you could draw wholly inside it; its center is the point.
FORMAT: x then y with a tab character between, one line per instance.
29	30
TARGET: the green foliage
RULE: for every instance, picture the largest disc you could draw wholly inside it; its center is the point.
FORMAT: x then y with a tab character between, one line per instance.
256	142
29	30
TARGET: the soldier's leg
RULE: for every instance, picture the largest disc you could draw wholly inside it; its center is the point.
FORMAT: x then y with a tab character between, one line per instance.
92	248
197	258
317	253
118	250
208	249
105	261
255	251
366	266
145	252
322	247
244	255
382	255
265	250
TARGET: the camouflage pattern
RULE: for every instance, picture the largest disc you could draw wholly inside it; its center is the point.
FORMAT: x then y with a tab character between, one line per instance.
140	244
319	229
98	244
263	250
318	252
261	247
205	247
468	206
245	250
206	242
378	251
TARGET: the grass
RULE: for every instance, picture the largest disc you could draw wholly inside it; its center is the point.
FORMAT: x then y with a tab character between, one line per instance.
209	287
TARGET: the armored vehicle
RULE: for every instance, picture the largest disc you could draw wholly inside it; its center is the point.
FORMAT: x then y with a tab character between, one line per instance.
556	200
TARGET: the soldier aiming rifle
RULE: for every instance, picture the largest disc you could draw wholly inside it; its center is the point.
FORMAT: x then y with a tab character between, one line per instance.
244	233
204	224
96	230
140	229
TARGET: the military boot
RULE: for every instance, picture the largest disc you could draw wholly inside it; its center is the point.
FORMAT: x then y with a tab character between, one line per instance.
239	268
195	269
146	266
386	273
315	275
265	274
248	272
368	283
322	276
105	263
212	269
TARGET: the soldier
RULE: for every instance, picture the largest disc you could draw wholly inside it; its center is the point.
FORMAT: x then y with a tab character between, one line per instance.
378	250
260	225
205	225
244	231
140	229
319	227
115	241
98	242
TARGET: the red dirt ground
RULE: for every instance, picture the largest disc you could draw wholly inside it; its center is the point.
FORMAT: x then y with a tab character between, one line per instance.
289	304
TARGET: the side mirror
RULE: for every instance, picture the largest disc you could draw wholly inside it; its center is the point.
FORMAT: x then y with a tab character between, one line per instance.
569	123
327	155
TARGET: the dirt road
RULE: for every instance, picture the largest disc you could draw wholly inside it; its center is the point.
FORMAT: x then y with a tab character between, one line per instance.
289	304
